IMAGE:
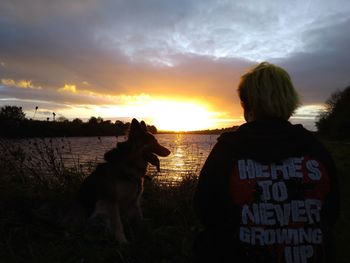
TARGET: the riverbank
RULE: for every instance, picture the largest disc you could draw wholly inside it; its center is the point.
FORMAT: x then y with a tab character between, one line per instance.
31	232
201	132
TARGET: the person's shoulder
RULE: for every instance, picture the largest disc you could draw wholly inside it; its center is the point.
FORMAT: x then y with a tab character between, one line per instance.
306	134
228	137
315	144
301	128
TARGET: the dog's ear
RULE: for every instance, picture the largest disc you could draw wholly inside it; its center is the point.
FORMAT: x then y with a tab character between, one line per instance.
143	126
135	129
134	122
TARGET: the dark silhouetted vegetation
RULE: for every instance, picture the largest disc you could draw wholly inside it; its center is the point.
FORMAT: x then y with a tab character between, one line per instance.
36	188
12	113
335	121
14	123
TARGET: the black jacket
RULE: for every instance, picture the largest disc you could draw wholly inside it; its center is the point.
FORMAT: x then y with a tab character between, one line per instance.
263	185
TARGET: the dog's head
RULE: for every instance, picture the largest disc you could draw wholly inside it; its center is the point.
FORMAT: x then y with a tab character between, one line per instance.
146	143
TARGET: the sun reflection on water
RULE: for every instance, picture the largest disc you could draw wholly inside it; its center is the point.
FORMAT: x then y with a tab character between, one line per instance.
188	154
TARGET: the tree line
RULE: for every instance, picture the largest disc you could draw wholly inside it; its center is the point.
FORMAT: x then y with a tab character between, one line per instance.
334	122
14	123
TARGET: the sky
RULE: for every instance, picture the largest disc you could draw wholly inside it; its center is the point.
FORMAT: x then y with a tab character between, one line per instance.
175	64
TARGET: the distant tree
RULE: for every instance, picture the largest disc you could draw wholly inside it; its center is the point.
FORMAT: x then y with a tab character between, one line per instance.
77	121
118	123
99	120
335	120
127	126
119	127
12	113
92	120
62	119
107	122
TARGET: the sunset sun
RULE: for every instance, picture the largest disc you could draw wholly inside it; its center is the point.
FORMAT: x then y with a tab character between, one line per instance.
181	116
167	114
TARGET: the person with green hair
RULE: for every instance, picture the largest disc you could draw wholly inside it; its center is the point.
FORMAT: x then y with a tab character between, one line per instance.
268	191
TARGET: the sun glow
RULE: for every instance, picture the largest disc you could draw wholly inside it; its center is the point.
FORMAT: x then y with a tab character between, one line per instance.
181	116
167	114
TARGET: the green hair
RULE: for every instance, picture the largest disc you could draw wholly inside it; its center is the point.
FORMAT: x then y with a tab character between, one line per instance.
267	91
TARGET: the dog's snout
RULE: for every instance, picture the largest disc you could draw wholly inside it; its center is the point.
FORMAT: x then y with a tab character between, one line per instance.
161	151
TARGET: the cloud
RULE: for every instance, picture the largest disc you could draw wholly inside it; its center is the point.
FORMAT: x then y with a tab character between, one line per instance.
68	88
324	66
24	84
98	51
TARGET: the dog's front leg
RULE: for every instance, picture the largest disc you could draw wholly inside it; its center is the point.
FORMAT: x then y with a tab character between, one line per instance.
139	214
117	224
135	214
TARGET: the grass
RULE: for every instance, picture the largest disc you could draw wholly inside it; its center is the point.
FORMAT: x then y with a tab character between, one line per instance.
341	153
30	233
30	204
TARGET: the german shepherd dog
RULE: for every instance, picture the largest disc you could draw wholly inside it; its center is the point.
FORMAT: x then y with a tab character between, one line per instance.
114	189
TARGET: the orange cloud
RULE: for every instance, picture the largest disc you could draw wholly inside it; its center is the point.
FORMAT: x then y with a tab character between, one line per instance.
68	88
24	84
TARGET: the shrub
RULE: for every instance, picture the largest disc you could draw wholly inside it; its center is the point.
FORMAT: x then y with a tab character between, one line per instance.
334	122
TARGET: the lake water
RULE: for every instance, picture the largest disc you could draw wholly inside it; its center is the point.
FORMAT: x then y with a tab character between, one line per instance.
188	152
